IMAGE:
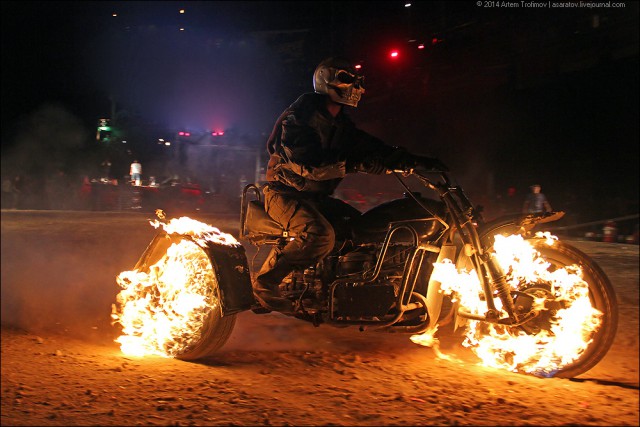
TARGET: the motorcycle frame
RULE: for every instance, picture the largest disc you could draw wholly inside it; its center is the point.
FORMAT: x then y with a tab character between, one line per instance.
462	220
465	220
477	238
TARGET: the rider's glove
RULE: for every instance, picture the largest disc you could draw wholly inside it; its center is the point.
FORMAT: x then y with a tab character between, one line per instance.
407	162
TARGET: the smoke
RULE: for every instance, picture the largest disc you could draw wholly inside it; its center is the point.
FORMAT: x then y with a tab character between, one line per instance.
46	140
59	268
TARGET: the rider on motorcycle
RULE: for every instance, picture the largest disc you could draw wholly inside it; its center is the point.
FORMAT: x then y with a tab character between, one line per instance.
312	146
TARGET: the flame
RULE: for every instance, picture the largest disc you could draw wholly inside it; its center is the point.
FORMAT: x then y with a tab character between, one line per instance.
199	231
544	353
163	310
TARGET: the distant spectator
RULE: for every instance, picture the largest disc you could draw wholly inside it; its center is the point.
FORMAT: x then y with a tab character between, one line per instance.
536	202
17	189
106	168
85	193
136	173
7	193
58	190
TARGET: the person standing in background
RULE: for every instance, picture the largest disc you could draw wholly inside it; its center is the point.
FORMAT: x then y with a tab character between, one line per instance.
106	168
17	187
536	202
136	173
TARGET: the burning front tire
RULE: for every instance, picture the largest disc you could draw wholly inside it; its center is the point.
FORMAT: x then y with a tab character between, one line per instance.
601	296
566	305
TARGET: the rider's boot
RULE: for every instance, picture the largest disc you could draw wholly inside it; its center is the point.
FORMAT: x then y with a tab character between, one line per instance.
266	284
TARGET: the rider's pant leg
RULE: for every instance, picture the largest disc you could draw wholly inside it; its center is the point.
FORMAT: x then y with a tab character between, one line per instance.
313	239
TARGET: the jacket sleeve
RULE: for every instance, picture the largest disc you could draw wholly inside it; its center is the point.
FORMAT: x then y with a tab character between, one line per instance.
367	151
372	155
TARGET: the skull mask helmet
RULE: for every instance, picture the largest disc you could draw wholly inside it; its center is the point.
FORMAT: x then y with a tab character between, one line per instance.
337	78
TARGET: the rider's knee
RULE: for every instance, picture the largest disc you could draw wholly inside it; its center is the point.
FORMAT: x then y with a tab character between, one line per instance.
320	239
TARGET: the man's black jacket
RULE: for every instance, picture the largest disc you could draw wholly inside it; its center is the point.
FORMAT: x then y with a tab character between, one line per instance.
311	151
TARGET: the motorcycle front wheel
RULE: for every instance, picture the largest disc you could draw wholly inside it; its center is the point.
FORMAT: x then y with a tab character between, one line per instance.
541	336
601	295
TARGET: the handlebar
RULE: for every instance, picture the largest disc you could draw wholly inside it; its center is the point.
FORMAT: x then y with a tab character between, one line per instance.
422	175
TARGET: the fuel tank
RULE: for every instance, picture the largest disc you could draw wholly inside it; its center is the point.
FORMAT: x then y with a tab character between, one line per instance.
372	226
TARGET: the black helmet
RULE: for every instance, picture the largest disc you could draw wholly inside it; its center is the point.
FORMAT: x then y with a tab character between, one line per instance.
337	78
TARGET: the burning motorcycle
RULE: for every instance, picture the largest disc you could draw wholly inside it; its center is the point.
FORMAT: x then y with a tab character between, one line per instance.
528	302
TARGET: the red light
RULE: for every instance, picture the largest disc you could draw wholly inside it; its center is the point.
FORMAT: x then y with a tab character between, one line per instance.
187	134
221	133
421	46
217	133
214	133
181	133
358	66
394	54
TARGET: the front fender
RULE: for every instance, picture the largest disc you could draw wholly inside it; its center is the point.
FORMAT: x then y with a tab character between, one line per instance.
514	224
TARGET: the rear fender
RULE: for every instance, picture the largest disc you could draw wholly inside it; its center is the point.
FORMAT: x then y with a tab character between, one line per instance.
232	270
229	265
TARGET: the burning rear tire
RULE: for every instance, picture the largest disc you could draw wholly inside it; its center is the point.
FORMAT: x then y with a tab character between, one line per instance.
172	303
216	327
214	334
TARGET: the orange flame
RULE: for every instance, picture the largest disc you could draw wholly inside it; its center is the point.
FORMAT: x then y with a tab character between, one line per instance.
570	327
162	311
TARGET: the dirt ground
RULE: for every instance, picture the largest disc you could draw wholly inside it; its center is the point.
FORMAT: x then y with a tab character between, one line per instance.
60	365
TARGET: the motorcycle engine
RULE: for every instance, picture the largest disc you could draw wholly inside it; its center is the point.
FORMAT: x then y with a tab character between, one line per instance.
353	299
363	260
360	260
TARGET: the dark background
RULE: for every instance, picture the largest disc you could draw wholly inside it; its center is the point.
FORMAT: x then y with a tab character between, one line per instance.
507	97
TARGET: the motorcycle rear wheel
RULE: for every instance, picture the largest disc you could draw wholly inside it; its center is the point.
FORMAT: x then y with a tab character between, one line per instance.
214	334
216	328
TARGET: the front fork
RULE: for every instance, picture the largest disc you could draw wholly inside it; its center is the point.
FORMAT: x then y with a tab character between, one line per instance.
499	282
493	280
491	275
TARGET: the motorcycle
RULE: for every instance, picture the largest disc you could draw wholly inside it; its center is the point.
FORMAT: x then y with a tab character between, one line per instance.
390	274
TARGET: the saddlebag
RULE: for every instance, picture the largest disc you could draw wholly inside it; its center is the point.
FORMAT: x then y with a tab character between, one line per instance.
255	223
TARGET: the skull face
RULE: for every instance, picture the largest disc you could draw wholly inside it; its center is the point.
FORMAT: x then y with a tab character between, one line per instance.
345	87
340	83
